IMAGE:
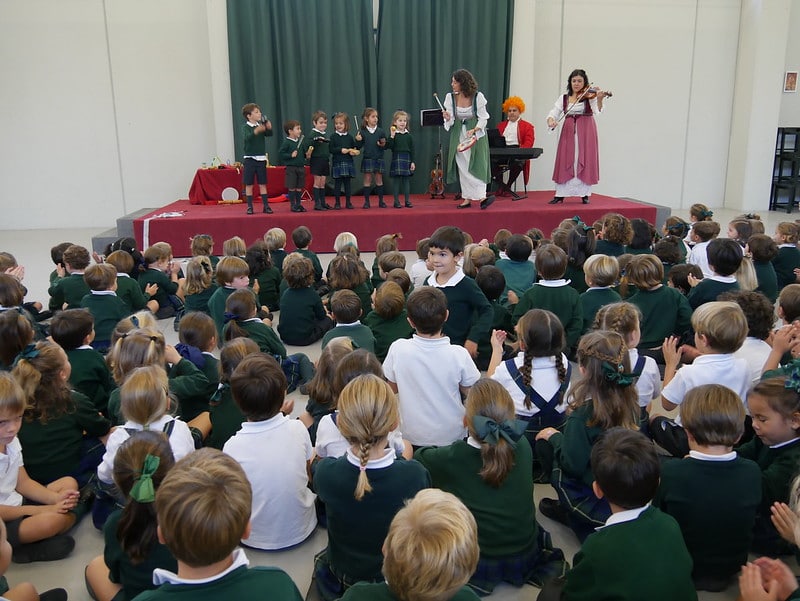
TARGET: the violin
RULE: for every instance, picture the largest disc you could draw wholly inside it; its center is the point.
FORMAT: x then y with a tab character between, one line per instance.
437	177
590	92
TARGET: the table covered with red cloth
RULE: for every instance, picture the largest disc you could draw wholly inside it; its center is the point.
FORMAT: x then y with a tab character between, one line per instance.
208	184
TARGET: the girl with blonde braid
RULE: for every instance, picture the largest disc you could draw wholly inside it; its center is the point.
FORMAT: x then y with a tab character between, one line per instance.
604	398
363	489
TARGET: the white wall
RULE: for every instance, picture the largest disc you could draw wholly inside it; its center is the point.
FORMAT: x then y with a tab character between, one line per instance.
109	106
106	108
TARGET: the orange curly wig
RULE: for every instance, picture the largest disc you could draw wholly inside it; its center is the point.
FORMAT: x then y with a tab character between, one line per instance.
513	101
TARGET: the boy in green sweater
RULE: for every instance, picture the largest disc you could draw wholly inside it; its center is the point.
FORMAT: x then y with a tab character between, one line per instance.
639	553
202	528
346	310
713	493
601	272
292	156
73	330
254	132
163	271
724	258
470	313
388	319
103	303
69	288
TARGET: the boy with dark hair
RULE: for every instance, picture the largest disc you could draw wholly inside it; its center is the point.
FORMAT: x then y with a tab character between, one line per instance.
763	249
679	277
73	330
713	494
492	283
69	288
301	237
639	553
164	272
255	131
553	293
519	272
470	311
431	411
202	528
701	235
346	311
724	258
303	317
274	451
103	303
293	157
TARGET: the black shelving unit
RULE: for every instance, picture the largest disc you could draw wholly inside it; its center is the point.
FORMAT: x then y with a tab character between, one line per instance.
786	170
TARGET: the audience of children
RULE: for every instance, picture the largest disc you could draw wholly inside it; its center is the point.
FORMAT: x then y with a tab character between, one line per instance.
429	405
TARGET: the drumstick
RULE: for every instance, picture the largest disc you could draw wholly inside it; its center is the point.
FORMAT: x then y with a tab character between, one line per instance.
300	141
435	95
356	122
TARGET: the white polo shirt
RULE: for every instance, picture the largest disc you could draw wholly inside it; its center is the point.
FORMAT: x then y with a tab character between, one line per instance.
10	462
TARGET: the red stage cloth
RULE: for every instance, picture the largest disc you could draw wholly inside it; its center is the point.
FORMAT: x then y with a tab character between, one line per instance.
208	184
225	221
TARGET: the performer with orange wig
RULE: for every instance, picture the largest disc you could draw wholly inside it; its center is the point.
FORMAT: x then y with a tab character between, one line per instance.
517	132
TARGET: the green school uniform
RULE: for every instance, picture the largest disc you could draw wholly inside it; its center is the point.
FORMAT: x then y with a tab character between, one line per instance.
380	591
107	310
562	300
269	282
767	280
216	308
591	302
70	290
300	309
263	335
199	301
785	262
470	312
166	286
708	290
226	418
312	256
360	334
387	331
130	293
665	312
778	469
90	376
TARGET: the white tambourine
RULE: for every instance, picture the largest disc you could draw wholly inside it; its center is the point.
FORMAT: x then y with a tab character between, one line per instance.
467	144
230	193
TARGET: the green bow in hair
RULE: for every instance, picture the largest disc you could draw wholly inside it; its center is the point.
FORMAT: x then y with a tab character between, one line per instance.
793	377
490	432
143	490
617	374
29	352
577	219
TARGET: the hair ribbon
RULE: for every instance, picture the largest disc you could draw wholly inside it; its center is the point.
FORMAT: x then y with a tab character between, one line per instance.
191	353
28	353
577	219
229	317
143	489
617	374
793	377
135	321
706	213
490	432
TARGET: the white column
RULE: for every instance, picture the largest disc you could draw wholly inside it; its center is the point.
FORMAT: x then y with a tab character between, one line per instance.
220	78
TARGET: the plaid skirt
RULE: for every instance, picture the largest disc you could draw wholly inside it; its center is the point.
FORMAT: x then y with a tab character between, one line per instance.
373	166
537	564
343	169
586	511
401	165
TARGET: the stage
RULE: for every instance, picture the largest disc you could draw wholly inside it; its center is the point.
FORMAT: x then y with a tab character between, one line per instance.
227	220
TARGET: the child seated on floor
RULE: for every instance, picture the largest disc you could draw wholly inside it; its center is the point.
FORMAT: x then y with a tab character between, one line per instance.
199	286
787	235
492	473
275	239
15	334
719	331
429	554
713	493
701	235
73	330
724	258
203	246
103	303
553	293
420	269
637	540
274	452
198	339
601	273
760	316
128	289
36	517
774	404
519	272
388	319
265	278
303	317
132	550
347	272
763	249
68	290
233	273
492	283
161	270
430	391
202	529
679	277
301	237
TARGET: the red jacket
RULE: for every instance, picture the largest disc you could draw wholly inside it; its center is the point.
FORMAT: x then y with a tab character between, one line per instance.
526	134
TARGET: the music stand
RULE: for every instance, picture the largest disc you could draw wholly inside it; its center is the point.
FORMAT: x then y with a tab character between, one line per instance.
434	118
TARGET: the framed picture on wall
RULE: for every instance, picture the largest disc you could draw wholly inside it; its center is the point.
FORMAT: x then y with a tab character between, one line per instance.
790	82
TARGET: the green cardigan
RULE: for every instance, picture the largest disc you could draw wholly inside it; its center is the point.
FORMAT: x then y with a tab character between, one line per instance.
564	301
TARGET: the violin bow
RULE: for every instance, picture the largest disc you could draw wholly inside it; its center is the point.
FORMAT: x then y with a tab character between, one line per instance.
569	108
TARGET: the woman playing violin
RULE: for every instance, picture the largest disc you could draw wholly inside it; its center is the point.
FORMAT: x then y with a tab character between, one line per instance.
465	117
577	166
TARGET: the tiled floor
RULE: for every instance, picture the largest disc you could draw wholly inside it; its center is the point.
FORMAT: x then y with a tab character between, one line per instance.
31	249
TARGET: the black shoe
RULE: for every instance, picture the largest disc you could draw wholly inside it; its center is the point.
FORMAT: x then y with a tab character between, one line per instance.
337	206
381	204
397	205
50	549
349	205
268	210
409	205
585	200
552	509
54	594
366	204
319	208
464	206
301	209
326	206
249	210
487	202
556	200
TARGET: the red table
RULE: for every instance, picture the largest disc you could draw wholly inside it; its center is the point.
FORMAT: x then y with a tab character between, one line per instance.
208	184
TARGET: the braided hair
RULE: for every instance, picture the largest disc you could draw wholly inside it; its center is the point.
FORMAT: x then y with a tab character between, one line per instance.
541	335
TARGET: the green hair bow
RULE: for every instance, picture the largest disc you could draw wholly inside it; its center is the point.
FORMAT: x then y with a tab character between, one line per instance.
143	489
617	374
490	432
29	352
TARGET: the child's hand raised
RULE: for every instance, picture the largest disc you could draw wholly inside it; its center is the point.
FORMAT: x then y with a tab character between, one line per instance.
672	352
784	520
358	136
785	339
151	289
497	339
